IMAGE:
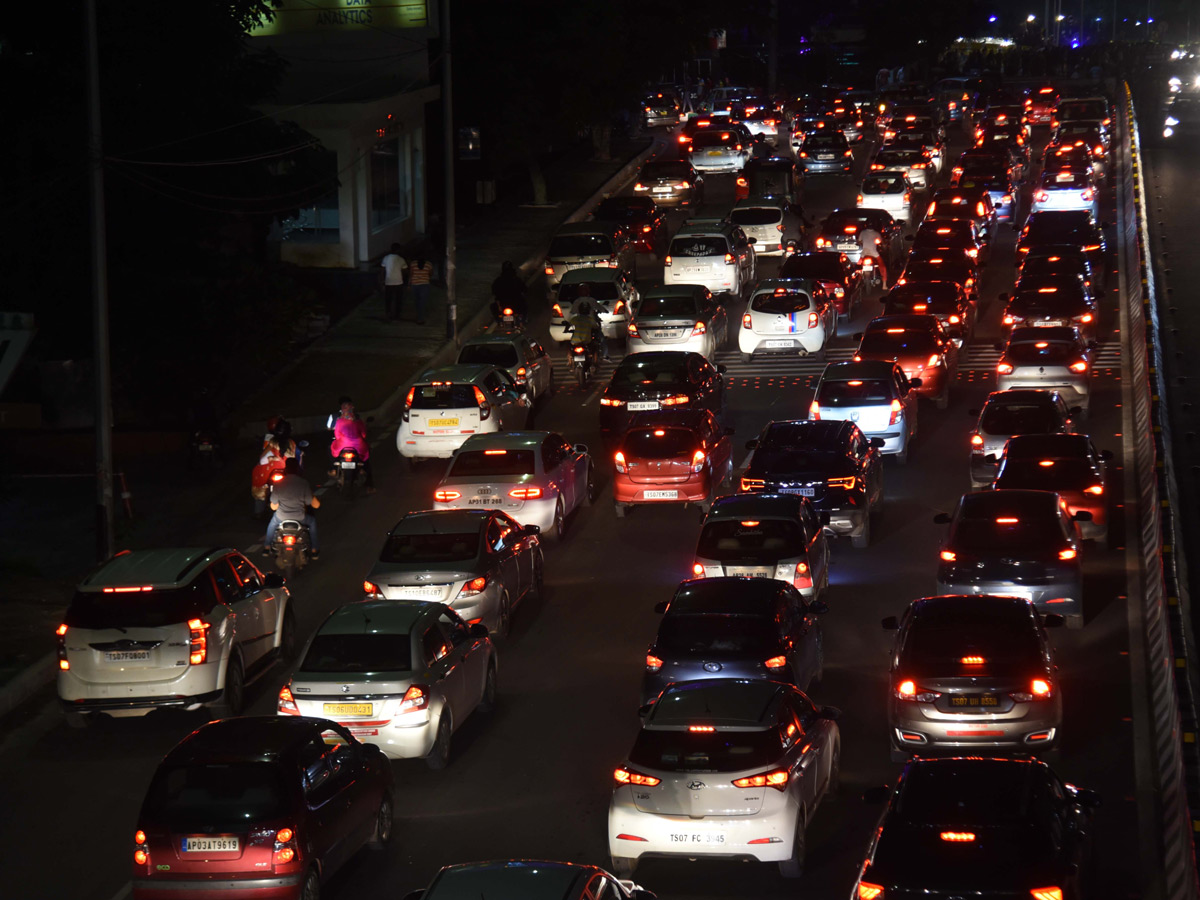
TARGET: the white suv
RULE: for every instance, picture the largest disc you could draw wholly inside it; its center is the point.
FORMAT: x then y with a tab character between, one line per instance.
713	252
170	628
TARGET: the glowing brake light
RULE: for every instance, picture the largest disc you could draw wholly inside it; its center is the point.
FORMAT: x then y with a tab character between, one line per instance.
197	641
1079	366
972	660
1095	490
525	493
628	776
1004	368
1046	893
444	496
777	779
957	836
948	556
701	729
729	260
747	320
286	703
653	663
814	411
619	461
1008	520
697	461
896	410
869	891
1067	554
699	329
977	440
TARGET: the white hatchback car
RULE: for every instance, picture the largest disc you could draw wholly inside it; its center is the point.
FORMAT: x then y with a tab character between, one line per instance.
179	628
876	396
766	220
1066	190
713	252
400	674
612	290
787	315
448	405
724	769
889	190
536	477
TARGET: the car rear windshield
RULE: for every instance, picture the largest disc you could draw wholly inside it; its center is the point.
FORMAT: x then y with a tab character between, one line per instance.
880	344
599	290
991	534
1034	475
337	653
926	270
436	547
1065	181
767	182
824	140
503	356
216	797
667	306
1082	109
687	635
623	209
781	304
142	609
444	396
719	751
590	245
676	171
486	463
667	372
883	184
838	222
696	247
1042	352
1003	635
660	443
966	796
766	540
899	157
856	392
823	266
991	185
1018	418
714	138
757	215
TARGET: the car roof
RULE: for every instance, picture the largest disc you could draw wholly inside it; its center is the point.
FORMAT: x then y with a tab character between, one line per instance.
1022	395
672	418
968	772
732	594
731	703
448	521
590	274
249	738
505	440
984	504
949	605
371	616
679	357
162	568
673	290
713	225
459	373
761	203
508	879
1027	446
816	432
759	506
866	368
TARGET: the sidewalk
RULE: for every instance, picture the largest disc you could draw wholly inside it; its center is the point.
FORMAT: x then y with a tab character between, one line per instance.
362	355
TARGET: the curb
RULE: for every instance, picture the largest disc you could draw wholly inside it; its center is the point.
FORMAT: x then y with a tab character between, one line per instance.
28	682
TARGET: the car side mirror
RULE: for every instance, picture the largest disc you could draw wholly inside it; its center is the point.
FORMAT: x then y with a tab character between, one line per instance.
941	519
274	580
890	623
1081	515
532	530
832	713
478	630
877	794
878	443
661	606
915	382
1087	798
828	532
1053	620
818	607
752	445
909	238
580	448
751	240
644	711
728	432
1106	455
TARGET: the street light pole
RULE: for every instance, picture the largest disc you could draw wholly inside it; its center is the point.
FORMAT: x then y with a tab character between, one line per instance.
448	141
105	509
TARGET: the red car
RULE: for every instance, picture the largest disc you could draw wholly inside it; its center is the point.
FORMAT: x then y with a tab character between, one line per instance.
640	218
1040	105
682	456
922	347
259	807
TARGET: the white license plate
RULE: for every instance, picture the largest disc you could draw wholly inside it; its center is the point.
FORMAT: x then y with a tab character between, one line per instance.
211	844
824	156
1049	323
662	333
661	190
692	838
695	270
348	465
433	590
642	405
126	655
779	343
847	247
483	501
661	495
803	492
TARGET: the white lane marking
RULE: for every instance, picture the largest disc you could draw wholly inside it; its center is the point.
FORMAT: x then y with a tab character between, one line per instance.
592	396
746	461
124	891
253	548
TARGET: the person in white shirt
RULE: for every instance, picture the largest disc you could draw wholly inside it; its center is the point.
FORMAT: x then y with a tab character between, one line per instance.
871	239
394	266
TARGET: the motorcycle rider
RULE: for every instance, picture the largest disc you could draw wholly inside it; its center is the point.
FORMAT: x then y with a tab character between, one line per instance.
871	239
349	431
585	320
508	291
290	499
272	459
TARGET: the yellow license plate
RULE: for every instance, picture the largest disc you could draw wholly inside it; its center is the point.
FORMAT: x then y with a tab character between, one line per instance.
442	423
349	709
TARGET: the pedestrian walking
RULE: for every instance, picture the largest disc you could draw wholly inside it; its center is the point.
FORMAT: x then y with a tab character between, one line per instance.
419	275
393	265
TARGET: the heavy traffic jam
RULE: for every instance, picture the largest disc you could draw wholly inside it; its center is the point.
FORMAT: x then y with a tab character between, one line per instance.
826	347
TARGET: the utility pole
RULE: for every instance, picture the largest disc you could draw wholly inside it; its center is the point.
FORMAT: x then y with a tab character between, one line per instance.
105	511
448	140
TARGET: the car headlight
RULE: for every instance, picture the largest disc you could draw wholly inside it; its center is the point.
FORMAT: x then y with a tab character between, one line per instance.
1172	121
1175	81
1167	132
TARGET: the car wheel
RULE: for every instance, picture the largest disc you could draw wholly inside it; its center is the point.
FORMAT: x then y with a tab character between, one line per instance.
538	589
487	703
590	497
287	637
794	867
746	357
620	509
439	756
383	825
312	886
862	540
503	616
233	696
624	866
558	527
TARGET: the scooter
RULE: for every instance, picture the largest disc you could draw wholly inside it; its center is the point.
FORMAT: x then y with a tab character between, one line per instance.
871	273
348	464
289	546
582	357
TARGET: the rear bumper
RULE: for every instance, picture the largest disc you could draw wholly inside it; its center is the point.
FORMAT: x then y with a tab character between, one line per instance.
137	706
694	344
691	491
918	737
441	446
802	342
1064	597
282	887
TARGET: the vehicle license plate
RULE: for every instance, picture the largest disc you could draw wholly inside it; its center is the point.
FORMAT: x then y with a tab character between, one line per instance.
482	501
642	405
126	655
205	448
442	423
426	590
824	156
661	495
696	270
348	464
716	152
803	492
662	333
982	700
714	838
747	572
206	844
779	343
1048	323
349	709
661	190
847	246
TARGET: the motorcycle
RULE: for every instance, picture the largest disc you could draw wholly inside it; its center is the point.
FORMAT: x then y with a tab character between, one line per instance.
871	274
508	320
205	451
582	357
289	546
348	464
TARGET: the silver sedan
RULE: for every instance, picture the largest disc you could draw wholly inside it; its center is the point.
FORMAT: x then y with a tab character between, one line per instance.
536	477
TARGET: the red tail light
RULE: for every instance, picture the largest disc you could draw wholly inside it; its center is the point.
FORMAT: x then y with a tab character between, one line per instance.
957	836
869	891
60	634
699	329
629	776
907	690
859	200
1095	490
1079	366
812	320
1004	368
948	556
525	493
485	408
370	587
408	399
198	641
446	496
287	703
954	319
1068	554
619	461
776	662
747	321
751	484
777	779
141	857
415	698
677	400
1046	893
977	440
653	663
697	570
802	579
697	461
742	182
549	269
667	260
814	411
729	259
473	587
895	416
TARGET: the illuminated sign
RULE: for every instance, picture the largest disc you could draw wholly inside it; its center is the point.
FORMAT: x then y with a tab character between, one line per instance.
343	15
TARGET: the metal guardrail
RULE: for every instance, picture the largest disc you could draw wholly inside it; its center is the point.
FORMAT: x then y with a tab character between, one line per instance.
1172	727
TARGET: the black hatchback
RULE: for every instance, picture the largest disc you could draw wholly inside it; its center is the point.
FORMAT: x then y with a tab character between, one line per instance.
832	463
757	628
1007	829
658	380
1063	226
